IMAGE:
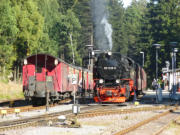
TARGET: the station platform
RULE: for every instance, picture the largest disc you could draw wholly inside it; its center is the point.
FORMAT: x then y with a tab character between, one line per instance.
150	97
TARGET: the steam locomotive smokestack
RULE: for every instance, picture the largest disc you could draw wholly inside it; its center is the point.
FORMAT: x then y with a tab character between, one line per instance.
102	28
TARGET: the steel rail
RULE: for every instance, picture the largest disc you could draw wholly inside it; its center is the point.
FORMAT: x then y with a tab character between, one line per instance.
30	107
132	128
8	101
120	111
167	125
37	120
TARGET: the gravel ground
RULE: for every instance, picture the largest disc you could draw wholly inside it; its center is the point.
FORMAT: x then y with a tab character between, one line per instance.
115	123
37	112
155	125
64	108
86	130
101	125
173	129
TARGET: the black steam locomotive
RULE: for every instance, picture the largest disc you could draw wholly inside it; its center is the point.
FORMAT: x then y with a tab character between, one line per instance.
116	77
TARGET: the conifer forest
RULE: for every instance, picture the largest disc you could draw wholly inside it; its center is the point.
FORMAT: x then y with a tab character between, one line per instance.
63	27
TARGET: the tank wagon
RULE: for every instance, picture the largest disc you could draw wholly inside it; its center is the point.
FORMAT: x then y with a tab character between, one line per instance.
117	78
44	73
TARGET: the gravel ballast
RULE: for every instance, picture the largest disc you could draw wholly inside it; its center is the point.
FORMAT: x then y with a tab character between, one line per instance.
101	125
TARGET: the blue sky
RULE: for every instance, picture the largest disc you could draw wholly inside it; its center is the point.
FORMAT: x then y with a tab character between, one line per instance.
127	2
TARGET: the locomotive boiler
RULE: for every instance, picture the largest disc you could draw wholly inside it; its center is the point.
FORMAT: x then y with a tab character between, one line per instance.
117	78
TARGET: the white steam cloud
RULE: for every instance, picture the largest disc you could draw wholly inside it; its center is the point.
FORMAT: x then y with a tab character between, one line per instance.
108	31
102	28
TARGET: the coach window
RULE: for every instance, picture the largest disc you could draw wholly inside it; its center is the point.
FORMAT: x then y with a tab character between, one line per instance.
39	69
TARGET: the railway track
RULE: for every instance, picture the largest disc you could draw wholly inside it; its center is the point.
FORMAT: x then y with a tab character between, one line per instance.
86	112
36	120
103	112
175	121
142	123
8	101
28	108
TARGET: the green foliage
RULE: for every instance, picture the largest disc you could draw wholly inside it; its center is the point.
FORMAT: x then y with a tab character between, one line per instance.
67	25
133	22
117	20
67	5
49	10
8	33
161	26
30	25
60	22
82	9
63	28
140	25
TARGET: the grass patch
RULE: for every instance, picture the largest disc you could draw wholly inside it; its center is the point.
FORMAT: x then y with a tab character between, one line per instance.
10	91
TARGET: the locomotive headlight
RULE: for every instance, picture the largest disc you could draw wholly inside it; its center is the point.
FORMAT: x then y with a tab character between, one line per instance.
117	81
25	61
109	53
101	81
55	62
92	53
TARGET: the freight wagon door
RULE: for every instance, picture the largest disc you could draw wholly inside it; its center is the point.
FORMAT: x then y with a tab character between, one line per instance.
44	77
64	77
40	73
40	78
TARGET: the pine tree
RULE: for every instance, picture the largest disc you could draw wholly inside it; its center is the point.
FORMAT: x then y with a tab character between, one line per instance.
116	18
82	10
134	16
163	28
30	25
8	32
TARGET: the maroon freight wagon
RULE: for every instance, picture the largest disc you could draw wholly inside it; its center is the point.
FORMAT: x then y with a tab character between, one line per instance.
43	72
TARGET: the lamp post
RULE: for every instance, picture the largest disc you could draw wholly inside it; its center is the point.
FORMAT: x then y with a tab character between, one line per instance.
141	72
70	35
90	49
157	86
142	58
174	51
167	66
157	47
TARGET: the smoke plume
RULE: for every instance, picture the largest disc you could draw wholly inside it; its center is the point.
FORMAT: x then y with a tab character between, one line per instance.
102	28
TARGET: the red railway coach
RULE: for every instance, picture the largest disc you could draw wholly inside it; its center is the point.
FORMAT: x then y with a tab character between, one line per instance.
141	80
43	72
